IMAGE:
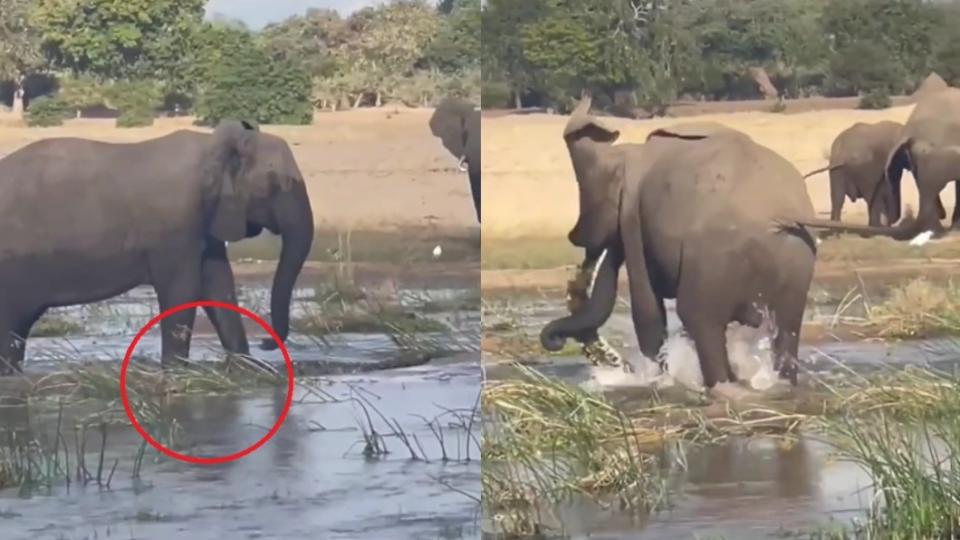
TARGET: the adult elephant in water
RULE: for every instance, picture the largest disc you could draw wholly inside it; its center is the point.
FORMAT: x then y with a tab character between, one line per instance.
699	213
456	122
85	220
929	146
857	159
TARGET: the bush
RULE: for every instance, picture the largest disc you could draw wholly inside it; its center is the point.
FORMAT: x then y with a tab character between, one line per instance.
82	92
46	111
495	95
249	85
865	66
137	103
875	99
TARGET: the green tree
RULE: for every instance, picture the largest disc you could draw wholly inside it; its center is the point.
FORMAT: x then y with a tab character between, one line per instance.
20	54
502	48
313	40
457	44
119	40
247	84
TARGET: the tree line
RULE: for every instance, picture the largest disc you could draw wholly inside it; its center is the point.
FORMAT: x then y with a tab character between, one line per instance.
650	53
144	56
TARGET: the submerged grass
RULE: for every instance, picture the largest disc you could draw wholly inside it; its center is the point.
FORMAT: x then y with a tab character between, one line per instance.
546	442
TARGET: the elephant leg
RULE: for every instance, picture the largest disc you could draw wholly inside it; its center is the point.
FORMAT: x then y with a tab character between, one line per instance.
710	340
21	330
786	344
176	285
838	194
876	212
218	285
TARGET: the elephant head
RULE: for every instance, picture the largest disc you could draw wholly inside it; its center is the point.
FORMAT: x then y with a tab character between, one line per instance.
254	183
598	167
453	123
599	172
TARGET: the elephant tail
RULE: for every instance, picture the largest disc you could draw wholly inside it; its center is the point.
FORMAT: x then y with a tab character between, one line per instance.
905	230
824	169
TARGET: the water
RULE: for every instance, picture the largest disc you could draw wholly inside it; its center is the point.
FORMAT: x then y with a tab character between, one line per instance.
312	479
744	489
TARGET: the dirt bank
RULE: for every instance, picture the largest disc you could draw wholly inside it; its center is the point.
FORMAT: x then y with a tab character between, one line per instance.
529	187
367	170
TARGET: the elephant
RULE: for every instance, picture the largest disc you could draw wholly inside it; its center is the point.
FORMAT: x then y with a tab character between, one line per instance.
857	159
85	220
929	146
699	213
456	122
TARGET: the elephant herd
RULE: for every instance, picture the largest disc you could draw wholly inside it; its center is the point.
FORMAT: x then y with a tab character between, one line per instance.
84	221
702	214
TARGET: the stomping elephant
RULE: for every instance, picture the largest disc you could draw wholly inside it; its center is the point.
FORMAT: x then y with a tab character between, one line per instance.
457	123
857	159
699	213
929	146
85	220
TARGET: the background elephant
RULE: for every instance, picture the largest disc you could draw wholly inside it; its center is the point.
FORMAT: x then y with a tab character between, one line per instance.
697	213
86	220
929	145
857	159
457	123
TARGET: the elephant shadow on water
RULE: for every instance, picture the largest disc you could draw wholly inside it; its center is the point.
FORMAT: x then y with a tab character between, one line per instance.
88	220
699	213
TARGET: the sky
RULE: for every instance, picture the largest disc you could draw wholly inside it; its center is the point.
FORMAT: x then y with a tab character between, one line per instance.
257	13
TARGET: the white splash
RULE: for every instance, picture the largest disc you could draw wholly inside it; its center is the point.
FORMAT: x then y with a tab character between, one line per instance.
921	238
749	350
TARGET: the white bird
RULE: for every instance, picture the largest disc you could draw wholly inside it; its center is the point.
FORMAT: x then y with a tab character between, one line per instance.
921	238
437	251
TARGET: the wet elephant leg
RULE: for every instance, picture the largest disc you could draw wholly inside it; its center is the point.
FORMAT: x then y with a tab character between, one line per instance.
710	339
21	330
218	285
8	339
786	344
176	283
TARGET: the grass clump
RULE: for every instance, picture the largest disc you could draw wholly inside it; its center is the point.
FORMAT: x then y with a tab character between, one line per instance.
545	442
55	327
46	111
919	309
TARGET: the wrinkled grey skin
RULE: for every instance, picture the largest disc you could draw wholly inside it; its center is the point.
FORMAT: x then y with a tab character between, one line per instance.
699	213
857	159
929	146
86	220
456	122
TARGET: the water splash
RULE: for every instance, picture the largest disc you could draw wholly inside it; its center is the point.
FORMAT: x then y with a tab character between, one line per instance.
749	350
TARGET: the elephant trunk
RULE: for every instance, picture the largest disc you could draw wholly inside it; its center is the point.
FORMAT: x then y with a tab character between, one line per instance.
295	223
584	322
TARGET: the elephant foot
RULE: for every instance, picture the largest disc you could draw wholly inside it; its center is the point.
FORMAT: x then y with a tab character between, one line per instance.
734	392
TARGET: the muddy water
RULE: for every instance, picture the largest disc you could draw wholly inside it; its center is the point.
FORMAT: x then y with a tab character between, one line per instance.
742	489
312	480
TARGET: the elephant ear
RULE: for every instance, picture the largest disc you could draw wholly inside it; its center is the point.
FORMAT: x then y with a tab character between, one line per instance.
449	124
230	159
581	124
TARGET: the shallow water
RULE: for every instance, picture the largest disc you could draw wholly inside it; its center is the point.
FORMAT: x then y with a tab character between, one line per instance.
742	489
312	479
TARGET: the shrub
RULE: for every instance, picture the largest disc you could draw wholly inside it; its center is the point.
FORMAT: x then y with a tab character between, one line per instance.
136	101
82	92
247	84
875	99
865	66
495	95
46	111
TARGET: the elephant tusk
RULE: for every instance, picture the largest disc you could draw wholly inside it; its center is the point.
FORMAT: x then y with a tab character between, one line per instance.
593	272
461	164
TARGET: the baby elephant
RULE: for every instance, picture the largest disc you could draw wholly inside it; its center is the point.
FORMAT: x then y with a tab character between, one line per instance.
857	159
